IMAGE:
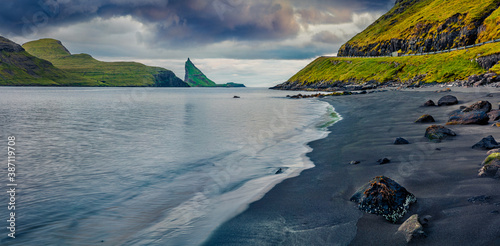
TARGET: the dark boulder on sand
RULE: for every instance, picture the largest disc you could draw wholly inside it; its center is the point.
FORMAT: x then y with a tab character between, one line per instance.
486	143
437	133
425	119
383	161
429	103
447	100
411	228
484	106
399	141
459	117
490	166
383	196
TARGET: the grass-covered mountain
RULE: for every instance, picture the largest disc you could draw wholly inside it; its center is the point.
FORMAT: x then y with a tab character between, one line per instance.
413	26
195	78
102	73
18	67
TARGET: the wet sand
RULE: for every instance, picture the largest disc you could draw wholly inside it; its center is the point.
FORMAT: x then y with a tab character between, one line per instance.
314	208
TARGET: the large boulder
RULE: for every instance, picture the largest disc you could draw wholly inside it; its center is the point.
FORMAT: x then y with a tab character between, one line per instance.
411	228
460	117
490	166
383	196
429	103
484	106
486	143
447	100
425	119
437	133
400	140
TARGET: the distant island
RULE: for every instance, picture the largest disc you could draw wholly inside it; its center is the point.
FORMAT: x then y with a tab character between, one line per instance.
195	78
417	42
47	62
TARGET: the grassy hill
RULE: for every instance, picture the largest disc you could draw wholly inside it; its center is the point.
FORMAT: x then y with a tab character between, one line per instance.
414	26
18	67
195	78
102	73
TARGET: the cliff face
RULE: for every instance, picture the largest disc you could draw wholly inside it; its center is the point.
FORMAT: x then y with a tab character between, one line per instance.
195	78
416	26
166	78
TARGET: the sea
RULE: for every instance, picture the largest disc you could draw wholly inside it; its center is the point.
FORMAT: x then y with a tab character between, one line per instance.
145	166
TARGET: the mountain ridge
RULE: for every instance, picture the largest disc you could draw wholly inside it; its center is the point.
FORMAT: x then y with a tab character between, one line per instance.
102	73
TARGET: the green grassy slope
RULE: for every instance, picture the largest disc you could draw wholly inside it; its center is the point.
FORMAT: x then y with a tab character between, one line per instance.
429	25
101	73
444	67
18	67
195	78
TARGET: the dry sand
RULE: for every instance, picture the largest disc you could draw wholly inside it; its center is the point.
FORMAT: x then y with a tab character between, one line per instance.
314	208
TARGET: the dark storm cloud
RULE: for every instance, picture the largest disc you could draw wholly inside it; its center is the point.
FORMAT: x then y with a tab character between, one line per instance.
201	21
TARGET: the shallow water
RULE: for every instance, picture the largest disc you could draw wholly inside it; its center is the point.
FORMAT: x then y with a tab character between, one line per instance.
148	166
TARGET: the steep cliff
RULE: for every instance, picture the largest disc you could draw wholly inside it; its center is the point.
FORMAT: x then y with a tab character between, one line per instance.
102	73
17	67
416	26
195	78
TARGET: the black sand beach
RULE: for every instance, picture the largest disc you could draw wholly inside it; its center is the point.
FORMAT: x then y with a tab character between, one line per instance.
314	208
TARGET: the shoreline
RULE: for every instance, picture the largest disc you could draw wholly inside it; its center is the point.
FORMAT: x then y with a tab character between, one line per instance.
314	208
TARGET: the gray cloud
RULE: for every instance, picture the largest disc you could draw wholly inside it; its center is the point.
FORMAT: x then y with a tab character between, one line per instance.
185	24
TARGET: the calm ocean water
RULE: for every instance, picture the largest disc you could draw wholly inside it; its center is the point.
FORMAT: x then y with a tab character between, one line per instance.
147	166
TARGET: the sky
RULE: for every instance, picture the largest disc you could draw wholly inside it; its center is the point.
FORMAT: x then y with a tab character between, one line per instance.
255	42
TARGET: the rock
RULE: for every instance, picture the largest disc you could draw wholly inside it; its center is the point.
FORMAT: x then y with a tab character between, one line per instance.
279	171
236	97
479	199
490	166
383	161
497	124
438	133
429	103
484	106
468	118
494	115
486	143
411	228
401	141
493	151
447	100
425	119
354	162
424	220
384	196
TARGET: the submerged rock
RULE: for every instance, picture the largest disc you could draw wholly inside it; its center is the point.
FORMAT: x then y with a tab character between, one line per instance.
425	119
437	133
383	196
484	106
279	171
486	143
411	228
468	118
383	161
490	166
429	103
399	141
447	100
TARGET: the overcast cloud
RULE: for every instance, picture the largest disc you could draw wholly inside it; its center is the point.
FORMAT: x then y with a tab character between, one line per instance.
205	29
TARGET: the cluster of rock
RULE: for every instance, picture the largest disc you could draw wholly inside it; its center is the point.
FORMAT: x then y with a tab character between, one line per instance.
481	80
